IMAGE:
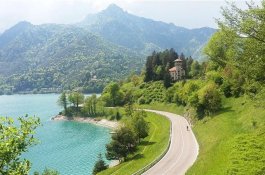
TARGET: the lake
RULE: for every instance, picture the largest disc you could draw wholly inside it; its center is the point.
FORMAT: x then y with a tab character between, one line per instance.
69	147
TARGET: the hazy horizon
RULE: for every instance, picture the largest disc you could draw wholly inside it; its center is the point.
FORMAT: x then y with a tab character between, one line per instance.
189	13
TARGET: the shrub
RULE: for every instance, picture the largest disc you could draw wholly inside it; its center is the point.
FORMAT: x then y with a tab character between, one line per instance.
209	99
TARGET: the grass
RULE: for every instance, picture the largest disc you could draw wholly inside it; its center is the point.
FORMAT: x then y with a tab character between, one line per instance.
150	148
232	141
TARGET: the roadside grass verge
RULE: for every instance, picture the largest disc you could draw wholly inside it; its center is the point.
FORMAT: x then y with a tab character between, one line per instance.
232	141
149	149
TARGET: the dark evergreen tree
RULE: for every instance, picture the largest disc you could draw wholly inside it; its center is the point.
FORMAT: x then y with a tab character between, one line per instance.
100	165
148	70
167	80
189	62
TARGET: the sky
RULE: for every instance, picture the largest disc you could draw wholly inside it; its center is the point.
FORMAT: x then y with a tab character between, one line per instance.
185	13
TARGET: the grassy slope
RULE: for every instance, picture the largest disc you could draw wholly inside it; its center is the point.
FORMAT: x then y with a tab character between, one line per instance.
229	143
151	148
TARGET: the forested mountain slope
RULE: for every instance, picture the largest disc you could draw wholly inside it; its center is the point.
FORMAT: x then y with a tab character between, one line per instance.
103	47
55	56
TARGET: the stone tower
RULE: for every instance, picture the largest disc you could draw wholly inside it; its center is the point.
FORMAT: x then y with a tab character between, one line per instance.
177	72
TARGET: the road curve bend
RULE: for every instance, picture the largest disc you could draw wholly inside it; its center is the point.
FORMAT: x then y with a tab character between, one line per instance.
183	149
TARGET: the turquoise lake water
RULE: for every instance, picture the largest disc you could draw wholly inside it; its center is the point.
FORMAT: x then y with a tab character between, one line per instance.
69	147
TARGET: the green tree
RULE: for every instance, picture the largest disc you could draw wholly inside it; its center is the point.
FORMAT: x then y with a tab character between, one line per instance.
14	140
129	110
189	62
135	80
123	143
240	42
76	98
139	125
209	99
112	95
90	105
195	69
167	80
48	172
148	70
62	101
100	165
118	116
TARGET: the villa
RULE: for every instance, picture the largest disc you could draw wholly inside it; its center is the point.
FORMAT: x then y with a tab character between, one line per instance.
177	72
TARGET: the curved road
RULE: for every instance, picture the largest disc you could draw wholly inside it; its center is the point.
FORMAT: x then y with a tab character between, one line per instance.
183	149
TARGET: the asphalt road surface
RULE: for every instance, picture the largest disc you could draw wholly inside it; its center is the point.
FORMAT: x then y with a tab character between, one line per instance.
183	149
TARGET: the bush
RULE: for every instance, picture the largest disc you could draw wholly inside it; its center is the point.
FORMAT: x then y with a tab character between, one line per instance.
226	88
48	172
141	100
215	77
209	99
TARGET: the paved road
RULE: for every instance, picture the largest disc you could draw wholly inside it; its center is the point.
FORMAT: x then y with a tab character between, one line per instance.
183	149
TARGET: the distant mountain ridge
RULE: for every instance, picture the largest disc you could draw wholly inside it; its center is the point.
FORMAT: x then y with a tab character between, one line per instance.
103	47
145	35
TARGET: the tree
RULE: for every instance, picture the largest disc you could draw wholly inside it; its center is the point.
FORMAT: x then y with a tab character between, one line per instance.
209	99
48	172
100	165
122	144
14	140
148	70
90	105
240	42
135	80
157	65
167	80
139	125
118	116
189	62
76	98
112	95
195	69
129	110
62	101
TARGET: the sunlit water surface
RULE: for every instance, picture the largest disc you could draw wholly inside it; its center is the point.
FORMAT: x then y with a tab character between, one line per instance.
69	147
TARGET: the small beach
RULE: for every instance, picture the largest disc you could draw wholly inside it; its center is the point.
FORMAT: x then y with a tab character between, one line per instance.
99	122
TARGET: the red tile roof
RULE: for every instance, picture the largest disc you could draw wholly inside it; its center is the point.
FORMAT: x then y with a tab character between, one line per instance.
178	60
173	69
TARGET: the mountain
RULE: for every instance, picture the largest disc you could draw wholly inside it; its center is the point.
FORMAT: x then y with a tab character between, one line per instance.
145	35
33	57
103	47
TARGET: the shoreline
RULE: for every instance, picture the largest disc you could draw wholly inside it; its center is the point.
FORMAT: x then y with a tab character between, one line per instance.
101	122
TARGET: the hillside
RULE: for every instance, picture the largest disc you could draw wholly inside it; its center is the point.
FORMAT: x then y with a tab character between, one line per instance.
103	47
145	35
58	56
232	141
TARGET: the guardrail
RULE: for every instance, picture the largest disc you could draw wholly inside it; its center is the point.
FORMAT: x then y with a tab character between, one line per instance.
150	165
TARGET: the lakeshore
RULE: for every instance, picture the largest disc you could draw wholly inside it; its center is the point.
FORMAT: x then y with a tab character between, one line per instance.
100	122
